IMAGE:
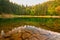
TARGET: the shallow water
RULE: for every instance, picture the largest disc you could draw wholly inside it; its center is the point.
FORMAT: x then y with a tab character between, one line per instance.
28	32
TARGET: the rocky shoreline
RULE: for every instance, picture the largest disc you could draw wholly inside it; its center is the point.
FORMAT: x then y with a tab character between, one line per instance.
28	32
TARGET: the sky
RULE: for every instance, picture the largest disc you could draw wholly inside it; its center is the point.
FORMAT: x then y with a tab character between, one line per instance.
28	2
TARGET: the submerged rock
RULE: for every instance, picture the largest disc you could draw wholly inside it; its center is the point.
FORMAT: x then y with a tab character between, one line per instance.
2	33
32	33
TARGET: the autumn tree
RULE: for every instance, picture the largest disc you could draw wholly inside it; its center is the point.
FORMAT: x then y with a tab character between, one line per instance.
57	9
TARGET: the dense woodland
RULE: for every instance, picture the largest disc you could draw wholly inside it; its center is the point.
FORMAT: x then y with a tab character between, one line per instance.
47	8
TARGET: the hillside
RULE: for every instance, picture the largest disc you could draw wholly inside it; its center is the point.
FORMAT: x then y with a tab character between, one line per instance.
47	8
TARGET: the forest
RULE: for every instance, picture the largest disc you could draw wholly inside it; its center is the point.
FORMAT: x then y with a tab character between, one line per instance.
47	8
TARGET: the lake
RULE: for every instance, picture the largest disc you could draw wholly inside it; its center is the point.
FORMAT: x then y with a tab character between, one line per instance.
46	23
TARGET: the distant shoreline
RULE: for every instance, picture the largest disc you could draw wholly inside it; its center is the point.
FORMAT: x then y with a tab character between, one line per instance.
14	16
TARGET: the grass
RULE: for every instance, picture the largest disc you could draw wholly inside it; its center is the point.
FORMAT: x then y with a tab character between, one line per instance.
46	23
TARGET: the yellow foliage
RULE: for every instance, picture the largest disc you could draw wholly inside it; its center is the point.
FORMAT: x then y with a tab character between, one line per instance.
57	9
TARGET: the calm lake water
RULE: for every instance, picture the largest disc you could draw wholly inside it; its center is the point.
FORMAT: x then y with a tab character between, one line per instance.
47	23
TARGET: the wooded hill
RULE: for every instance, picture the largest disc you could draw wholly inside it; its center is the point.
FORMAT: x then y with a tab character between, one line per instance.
47	8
